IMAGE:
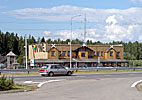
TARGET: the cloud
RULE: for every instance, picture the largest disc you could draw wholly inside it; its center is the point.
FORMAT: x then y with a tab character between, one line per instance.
114	24
136	1
65	12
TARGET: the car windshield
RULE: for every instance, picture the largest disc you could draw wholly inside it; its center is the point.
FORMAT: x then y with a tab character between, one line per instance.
44	67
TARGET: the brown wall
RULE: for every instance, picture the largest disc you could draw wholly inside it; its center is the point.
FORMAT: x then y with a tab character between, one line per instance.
65	47
56	54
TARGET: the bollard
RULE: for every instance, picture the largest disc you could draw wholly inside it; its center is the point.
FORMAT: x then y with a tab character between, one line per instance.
28	72
134	69
116	69
0	73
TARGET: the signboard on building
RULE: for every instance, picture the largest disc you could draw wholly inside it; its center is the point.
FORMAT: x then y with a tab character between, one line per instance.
32	62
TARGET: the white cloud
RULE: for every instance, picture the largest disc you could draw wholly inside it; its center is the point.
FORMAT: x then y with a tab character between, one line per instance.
115	24
136	1
47	32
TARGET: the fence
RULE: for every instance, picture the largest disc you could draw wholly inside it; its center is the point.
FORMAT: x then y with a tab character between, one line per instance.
76	69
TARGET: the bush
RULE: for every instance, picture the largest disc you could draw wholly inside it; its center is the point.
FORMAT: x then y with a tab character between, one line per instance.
6	83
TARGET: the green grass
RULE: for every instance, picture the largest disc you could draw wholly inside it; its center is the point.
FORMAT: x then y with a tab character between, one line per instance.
139	86
20	87
23	73
104	71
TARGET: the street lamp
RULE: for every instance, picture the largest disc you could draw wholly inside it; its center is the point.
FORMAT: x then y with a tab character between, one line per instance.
71	38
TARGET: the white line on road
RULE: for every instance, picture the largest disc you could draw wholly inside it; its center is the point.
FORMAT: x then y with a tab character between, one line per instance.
39	85
135	83
42	83
26	82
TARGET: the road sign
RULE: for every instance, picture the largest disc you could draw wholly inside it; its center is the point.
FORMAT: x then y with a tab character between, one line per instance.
32	62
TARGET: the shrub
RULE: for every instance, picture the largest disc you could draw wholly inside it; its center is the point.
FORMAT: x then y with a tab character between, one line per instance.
6	83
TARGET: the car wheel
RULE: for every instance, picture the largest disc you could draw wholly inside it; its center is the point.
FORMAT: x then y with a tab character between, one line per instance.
51	74
69	73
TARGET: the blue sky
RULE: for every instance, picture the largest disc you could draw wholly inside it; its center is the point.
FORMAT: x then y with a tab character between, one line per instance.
107	20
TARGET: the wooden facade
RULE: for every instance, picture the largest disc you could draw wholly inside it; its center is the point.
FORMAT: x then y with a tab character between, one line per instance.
62	51
109	55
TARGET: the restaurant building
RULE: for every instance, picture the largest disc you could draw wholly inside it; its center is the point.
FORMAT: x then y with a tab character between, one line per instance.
82	55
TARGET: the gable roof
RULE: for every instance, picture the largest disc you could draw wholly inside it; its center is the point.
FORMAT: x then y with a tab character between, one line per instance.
84	47
10	54
3	59
53	46
110	48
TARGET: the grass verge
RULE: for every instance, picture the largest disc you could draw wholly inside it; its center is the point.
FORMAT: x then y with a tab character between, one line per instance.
22	73
139	86
20	88
104	71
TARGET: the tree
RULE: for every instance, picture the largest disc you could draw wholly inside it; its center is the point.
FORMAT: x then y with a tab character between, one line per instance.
42	40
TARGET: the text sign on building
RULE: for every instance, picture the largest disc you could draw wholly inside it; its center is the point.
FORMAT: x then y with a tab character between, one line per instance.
32	62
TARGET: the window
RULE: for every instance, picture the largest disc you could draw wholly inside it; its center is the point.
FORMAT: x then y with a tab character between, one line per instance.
64	53
82	54
94	53
60	67
59	53
118	53
52	53
98	53
111	53
68	53
101	53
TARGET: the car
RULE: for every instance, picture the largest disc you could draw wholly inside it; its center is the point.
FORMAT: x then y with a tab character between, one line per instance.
54	69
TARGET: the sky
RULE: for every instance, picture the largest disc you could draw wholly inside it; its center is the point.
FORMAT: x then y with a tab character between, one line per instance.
106	20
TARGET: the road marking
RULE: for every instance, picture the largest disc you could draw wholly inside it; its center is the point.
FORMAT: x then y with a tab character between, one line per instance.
42	83
39	85
26	82
135	83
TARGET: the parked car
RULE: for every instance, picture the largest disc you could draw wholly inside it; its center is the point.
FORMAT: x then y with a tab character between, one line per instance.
54	69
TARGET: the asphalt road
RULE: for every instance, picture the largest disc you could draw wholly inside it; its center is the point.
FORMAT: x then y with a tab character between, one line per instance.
114	86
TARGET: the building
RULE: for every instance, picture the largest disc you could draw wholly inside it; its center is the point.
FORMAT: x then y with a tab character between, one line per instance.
8	61
87	55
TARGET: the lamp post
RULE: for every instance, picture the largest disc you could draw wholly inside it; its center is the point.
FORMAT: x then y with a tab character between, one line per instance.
71	38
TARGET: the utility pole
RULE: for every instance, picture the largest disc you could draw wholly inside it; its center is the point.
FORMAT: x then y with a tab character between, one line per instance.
26	51
71	39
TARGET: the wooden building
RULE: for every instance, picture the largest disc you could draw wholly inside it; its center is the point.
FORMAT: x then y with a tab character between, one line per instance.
109	55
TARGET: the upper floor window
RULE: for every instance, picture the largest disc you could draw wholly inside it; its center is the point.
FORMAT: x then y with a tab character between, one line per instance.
68	53
101	53
118	54
59	53
82	54
64	53
52	53
111	53
98	53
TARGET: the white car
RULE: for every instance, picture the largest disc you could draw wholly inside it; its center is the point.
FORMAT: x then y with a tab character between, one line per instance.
54	69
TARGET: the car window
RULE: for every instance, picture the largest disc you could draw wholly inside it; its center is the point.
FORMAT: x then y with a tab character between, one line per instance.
53	67
44	67
60	67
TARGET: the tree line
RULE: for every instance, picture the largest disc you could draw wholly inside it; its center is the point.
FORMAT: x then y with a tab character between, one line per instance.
12	42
